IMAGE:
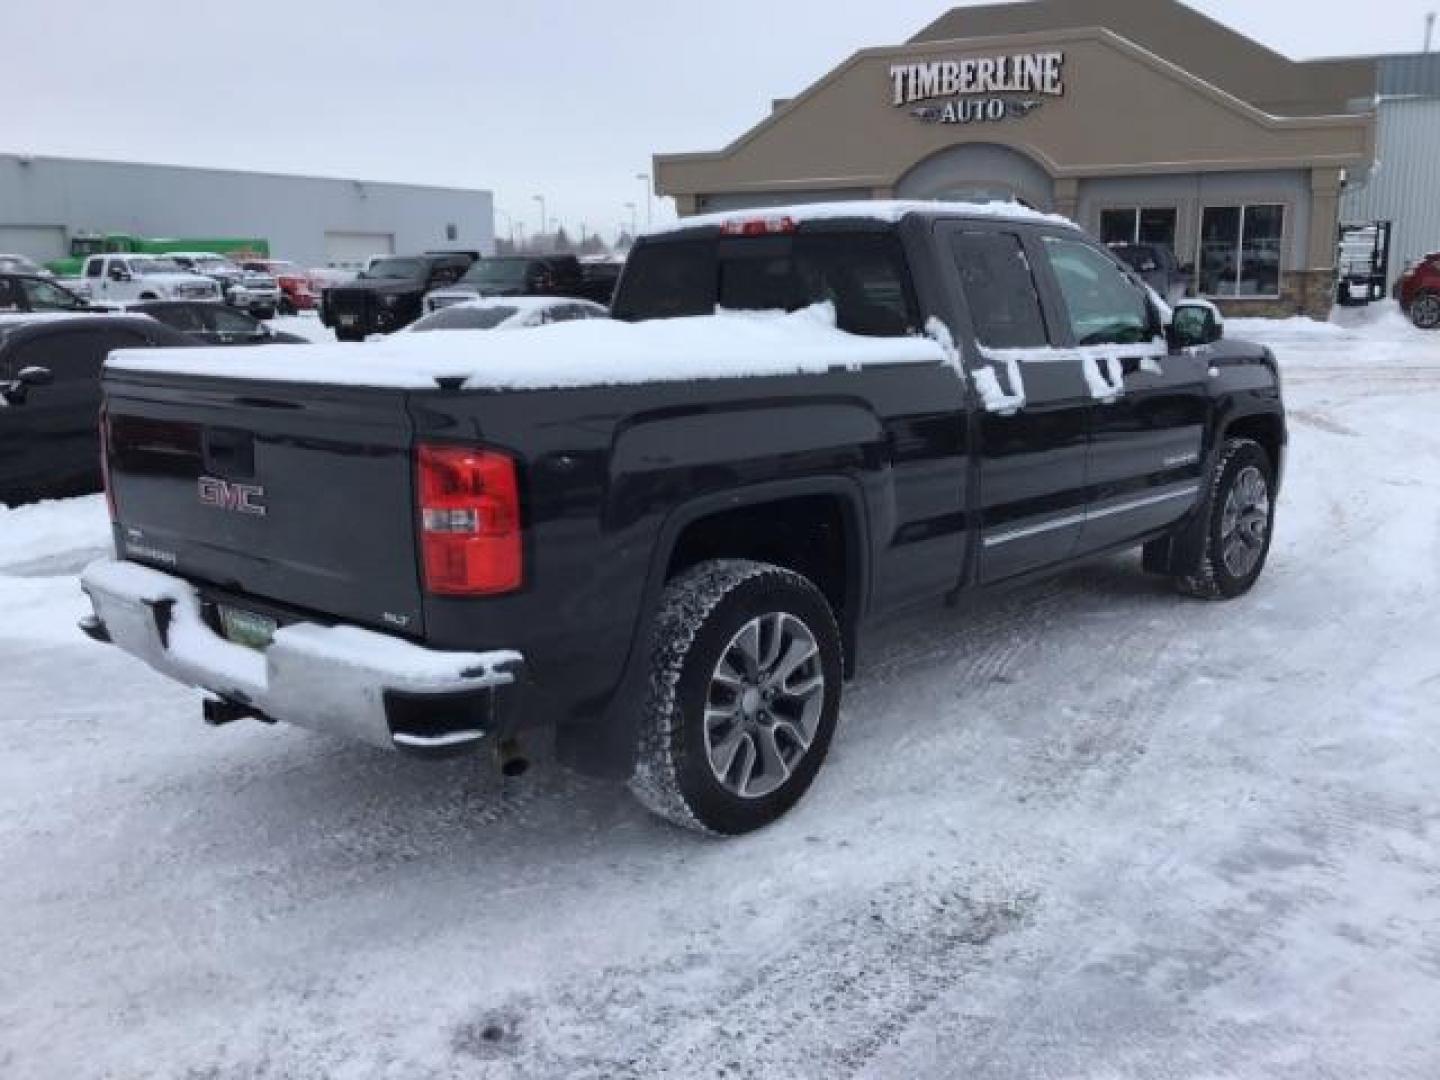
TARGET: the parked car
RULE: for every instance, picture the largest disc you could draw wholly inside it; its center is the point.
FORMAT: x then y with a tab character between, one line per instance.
51	446
209	323
389	295
598	277
248	289
507	313
121	278
513	275
668	537
1418	291
297	290
20	264
30	292
1157	266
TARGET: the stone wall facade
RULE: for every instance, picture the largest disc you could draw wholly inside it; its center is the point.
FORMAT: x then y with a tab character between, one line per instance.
1303	292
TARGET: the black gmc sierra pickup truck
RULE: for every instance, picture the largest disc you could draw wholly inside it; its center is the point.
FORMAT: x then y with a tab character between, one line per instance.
439	545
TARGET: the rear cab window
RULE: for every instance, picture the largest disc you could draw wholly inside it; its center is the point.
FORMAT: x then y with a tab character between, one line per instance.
863	273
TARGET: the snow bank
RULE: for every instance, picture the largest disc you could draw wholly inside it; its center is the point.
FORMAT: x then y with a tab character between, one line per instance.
887	210
594	352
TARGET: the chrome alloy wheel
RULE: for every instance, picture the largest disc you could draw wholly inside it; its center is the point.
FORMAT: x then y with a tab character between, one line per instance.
1246	522
763	705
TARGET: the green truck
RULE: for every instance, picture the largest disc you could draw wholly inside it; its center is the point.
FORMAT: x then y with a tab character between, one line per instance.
81	247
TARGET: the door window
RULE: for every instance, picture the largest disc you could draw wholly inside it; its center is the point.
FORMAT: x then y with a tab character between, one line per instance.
9	300
227	321
94	267
1104	306
1240	250
999	290
181	317
44	296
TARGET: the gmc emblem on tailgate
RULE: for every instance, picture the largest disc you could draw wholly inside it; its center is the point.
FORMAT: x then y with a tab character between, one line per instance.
225	495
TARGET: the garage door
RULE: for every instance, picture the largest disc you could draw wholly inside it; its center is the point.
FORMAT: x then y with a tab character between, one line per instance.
351	249
39	242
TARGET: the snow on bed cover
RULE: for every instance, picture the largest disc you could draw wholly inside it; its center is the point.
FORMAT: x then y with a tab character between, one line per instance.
890	210
592	352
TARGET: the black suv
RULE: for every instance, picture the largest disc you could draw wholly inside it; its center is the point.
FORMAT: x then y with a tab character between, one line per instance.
390	295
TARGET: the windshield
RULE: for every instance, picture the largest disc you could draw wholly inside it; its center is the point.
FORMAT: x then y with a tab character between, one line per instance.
864	274
216	266
17	264
466	317
156	266
497	273
395	270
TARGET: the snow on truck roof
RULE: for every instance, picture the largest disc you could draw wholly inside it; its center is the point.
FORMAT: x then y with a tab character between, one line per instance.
591	352
885	210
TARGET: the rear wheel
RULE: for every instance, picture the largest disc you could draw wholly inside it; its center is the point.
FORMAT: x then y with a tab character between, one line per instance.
348	335
1237	519
744	695
287	307
265	313
1425	311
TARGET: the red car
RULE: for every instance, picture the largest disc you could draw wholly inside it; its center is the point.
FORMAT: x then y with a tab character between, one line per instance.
1418	291
297	292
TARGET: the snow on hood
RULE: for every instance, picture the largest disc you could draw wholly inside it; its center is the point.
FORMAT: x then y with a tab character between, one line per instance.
887	210
590	352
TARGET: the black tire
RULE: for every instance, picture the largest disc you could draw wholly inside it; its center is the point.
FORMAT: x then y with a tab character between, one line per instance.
348	335
1425	311
287	308
148	296
702	616
265	313
1218	576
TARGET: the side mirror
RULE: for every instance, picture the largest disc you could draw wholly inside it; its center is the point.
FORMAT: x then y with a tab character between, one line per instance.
117	274
1195	323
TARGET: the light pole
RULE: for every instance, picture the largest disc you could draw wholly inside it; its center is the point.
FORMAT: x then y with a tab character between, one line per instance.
541	200
644	179
634	220
509	222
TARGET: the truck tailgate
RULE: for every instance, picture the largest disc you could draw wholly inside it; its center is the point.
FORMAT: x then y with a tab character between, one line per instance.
300	494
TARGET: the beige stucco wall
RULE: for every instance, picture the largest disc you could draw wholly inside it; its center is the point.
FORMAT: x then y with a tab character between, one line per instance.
1124	111
1214	52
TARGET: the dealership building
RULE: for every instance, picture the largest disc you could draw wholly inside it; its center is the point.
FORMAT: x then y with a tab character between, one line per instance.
1144	122
314	221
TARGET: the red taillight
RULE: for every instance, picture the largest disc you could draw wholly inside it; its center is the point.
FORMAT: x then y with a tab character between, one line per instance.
105	461
469	521
766	226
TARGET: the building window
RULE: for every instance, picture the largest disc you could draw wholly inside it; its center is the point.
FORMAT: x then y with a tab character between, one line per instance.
1139	225
1240	250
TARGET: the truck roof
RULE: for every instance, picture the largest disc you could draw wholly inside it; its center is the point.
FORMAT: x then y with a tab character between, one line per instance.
881	210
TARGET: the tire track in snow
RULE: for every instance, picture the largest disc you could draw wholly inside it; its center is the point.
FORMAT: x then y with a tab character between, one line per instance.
820	1007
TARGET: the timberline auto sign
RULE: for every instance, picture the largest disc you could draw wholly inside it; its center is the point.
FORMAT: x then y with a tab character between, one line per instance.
977	91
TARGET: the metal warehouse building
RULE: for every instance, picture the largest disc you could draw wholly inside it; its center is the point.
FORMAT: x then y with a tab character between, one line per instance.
45	201
1145	122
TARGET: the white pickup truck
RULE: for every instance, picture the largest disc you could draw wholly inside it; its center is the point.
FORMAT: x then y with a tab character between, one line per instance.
121	278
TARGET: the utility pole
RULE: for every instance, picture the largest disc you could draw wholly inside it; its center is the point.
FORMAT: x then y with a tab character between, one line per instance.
644	179
541	200
1429	30
634	219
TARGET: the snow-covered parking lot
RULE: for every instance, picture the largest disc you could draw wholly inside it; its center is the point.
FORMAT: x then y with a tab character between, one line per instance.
1083	829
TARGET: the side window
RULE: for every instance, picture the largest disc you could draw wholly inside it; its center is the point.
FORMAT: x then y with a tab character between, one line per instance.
229	321
44	296
181	317
9	300
94	267
1105	307
999	290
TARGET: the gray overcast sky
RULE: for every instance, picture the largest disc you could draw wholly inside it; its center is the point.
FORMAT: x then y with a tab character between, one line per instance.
565	98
